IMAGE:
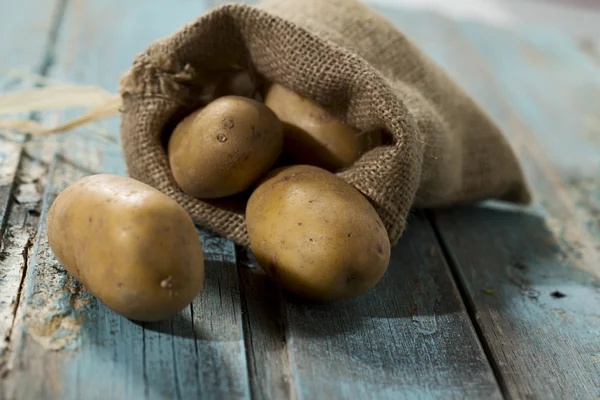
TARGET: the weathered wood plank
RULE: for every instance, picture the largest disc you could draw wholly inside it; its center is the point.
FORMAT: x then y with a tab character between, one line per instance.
200	352
544	344
403	353
219	327
228	362
267	348
55	314
410	337
30	32
26	28
12	245
514	264
22	220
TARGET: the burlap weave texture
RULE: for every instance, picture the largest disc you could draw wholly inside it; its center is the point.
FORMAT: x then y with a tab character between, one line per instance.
356	64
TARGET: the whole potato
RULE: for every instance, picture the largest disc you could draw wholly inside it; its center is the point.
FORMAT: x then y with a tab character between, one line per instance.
225	147
314	136
316	235
131	246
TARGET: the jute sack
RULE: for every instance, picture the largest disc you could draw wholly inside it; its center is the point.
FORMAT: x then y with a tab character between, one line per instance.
356	64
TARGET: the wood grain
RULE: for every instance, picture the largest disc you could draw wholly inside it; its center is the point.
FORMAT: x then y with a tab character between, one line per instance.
409	337
220	359
267	348
67	344
20	173
217	325
530	275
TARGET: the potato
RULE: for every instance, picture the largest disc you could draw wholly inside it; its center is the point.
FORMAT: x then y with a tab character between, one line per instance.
316	235
314	136
224	148
130	245
237	83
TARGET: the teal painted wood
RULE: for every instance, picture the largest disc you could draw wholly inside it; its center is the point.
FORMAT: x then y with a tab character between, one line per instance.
30	31
267	345
112	344
409	337
70	346
515	265
25	27
100	39
57	317
412	337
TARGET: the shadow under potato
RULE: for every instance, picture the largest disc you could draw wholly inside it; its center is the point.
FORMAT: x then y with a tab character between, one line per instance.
496	251
178	325
214	313
415	311
417	283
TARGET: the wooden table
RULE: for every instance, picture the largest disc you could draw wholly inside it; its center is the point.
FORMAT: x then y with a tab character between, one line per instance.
486	301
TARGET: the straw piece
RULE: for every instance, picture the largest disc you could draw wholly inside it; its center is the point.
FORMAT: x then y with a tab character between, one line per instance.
55	97
102	105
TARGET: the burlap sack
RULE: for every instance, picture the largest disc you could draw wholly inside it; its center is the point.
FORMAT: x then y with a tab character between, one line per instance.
358	66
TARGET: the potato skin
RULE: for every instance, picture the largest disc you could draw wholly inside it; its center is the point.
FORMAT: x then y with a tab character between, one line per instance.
131	246
224	148
312	135
316	235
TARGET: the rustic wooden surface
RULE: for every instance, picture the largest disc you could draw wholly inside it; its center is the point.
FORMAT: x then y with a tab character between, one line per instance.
541	324
479	302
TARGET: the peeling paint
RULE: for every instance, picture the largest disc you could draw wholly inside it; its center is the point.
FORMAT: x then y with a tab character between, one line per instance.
53	332
562	313
55	309
14	246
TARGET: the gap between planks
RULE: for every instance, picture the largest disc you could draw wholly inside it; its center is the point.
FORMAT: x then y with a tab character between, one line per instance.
518	336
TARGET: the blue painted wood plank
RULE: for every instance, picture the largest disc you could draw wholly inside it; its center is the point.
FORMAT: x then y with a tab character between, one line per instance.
482	379
69	345
90	345
516	264
267	345
218	324
25	27
30	30
409	337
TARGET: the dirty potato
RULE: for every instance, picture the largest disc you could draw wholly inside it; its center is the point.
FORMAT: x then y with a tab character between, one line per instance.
316	235
314	136
130	245
224	148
